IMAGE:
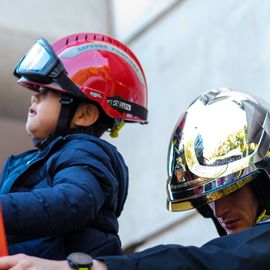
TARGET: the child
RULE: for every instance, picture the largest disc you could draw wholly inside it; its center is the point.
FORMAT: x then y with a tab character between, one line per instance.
67	194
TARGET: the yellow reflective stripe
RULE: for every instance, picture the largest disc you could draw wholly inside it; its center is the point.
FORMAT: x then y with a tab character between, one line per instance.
262	216
116	128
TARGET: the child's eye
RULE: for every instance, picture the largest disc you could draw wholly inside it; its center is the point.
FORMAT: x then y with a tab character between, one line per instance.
43	91
43	94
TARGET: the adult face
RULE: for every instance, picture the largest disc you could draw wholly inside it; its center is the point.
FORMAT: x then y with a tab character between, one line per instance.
236	211
43	114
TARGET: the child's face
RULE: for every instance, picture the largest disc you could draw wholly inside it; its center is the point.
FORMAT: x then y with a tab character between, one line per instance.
43	114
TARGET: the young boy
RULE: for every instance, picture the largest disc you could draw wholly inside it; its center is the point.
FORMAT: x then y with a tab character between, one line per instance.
67	194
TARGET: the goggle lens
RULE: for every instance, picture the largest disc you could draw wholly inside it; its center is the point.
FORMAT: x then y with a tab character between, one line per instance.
42	65
35	60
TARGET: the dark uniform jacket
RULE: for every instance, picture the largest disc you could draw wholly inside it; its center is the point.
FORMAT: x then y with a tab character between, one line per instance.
247	250
64	197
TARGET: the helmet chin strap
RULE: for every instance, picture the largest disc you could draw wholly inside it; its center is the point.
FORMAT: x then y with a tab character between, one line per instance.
69	105
207	212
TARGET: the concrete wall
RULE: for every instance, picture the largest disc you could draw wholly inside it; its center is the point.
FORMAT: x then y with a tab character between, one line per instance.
196	46
53	18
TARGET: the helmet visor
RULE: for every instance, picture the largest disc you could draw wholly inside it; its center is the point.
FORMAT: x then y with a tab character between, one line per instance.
40	64
35	60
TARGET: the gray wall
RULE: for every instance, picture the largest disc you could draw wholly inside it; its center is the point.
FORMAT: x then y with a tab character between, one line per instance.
194	47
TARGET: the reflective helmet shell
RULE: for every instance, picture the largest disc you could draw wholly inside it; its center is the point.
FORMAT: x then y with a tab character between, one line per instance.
102	67
219	144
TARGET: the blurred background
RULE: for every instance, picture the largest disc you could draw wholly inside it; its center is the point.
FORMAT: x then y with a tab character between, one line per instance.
185	46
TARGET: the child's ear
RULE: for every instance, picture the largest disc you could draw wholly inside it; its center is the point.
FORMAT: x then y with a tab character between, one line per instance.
86	115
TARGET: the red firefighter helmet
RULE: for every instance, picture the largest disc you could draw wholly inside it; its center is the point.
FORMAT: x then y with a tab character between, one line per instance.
102	68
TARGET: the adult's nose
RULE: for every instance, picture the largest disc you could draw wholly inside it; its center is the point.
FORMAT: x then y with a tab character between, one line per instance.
220	207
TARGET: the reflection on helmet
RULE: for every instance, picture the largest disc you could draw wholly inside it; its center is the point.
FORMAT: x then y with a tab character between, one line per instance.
219	144
106	72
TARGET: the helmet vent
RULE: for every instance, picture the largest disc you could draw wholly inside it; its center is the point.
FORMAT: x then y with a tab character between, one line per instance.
86	37
77	38
67	41
103	38
95	37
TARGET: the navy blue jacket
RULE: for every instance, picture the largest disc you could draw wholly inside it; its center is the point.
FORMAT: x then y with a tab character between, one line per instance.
247	250
64	198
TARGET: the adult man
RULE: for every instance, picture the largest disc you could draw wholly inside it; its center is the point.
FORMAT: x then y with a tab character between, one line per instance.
219	164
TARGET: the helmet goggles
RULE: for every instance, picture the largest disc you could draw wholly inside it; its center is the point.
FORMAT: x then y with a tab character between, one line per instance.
42	65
